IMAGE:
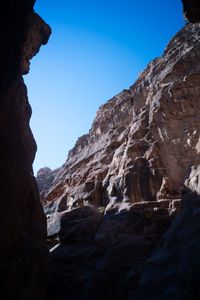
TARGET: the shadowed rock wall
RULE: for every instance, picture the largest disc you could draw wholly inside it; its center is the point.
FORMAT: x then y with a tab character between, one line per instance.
23	259
191	9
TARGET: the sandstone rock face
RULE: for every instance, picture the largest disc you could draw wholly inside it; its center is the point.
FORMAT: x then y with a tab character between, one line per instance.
135	182
144	143
45	177
23	249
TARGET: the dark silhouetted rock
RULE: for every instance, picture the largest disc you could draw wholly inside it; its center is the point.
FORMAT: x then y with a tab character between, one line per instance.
191	10
97	253
173	270
23	254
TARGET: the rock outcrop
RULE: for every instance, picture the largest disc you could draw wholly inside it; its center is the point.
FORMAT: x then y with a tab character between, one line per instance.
122	209
173	269
24	255
139	157
45	177
144	143
102	256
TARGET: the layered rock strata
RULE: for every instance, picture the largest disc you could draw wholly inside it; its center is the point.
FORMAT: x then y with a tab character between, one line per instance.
123	211
144	143
23	247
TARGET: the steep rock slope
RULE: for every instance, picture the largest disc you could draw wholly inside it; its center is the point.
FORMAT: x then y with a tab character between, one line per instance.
23	259
139	165
45	177
144	143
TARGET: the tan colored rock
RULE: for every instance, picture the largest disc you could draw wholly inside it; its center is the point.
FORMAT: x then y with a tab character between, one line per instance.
45	177
139	165
144	142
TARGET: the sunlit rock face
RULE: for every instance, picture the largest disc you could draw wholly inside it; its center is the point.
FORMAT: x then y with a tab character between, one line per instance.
23	259
45	177
191	9
139	165
144	143
123	211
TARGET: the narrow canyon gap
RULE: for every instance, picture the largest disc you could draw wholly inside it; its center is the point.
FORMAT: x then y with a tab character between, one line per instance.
24	252
124	209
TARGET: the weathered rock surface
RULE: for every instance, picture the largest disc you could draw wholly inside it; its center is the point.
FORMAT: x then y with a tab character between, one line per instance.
173	270
135	181
99	256
138	253
45	177
23	249
144	143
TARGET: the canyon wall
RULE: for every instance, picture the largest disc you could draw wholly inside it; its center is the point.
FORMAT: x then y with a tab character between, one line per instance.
144	143
123	211
103	255
24	253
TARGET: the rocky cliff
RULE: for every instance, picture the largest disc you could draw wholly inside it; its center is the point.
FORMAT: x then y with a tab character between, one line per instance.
45	177
144	143
100	255
124	208
23	247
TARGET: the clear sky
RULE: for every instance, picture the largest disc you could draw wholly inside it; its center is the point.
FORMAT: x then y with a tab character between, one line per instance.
97	49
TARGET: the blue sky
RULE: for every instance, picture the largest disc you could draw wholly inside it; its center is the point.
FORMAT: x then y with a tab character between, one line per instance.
97	49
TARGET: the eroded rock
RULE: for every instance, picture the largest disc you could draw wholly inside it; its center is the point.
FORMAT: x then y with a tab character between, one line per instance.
98	255
173	269
135	182
45	177
144	142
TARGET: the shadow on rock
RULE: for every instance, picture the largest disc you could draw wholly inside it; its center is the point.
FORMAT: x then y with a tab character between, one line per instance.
103	256
173	270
